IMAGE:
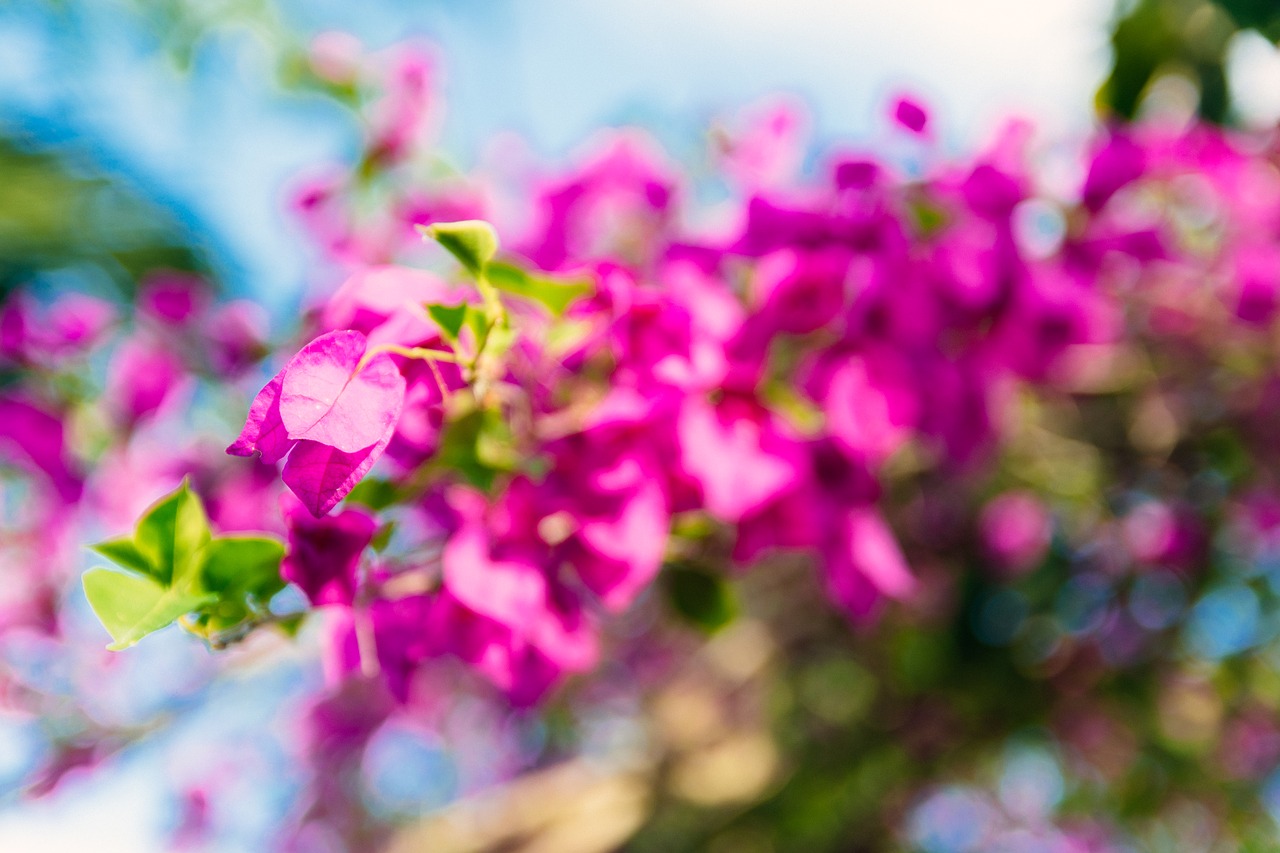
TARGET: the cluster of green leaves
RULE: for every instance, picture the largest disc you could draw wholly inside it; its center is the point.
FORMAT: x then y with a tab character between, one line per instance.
176	569
475	245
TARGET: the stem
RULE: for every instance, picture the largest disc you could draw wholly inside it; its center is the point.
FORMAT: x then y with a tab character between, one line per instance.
422	353
222	639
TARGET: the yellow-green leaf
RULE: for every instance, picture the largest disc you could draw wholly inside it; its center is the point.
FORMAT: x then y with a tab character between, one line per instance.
556	295
132	606
472	241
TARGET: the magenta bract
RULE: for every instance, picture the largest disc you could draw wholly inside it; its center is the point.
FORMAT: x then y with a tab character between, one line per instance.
333	412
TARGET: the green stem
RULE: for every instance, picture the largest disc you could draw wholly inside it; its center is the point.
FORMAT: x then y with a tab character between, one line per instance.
422	353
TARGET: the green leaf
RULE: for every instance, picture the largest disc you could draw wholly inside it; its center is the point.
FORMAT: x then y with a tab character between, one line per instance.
459	449
472	241
382	538
374	493
700	597
554	294
452	319
133	606
239	565
125	553
171	535
449	318
495	443
290	625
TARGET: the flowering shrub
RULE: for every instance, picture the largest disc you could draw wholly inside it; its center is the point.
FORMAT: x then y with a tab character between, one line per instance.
1017	436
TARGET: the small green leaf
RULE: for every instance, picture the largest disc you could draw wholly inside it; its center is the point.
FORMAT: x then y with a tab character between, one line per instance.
374	493
290	625
554	294
452	319
702	598
239	565
458	449
449	318
171	535
382	538
125	553
472	241
495	443
132	606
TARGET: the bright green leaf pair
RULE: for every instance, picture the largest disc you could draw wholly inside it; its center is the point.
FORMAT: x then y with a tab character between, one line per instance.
179	568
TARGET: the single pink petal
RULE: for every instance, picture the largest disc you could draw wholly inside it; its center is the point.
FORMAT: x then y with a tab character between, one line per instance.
565	633
561	639
324	399
628	549
372	295
910	114
871	407
30	434
876	555
737	454
508	591
263	431
144	374
321	475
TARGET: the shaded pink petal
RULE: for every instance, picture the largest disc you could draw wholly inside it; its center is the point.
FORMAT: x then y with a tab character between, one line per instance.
736	456
324	399
910	114
324	554
508	591
628	549
321	475
561	639
263	431
871	407
40	436
144	373
875	554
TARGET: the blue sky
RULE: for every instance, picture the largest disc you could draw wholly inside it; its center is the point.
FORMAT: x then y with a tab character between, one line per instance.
221	144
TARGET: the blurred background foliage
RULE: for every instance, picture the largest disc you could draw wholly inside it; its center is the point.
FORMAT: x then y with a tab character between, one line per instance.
1189	38
59	213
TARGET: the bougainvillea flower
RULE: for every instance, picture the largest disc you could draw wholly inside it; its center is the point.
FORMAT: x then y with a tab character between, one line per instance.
871	403
173	297
332	414
864	564
1257	281
505	588
608	499
326	395
767	146
237	333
